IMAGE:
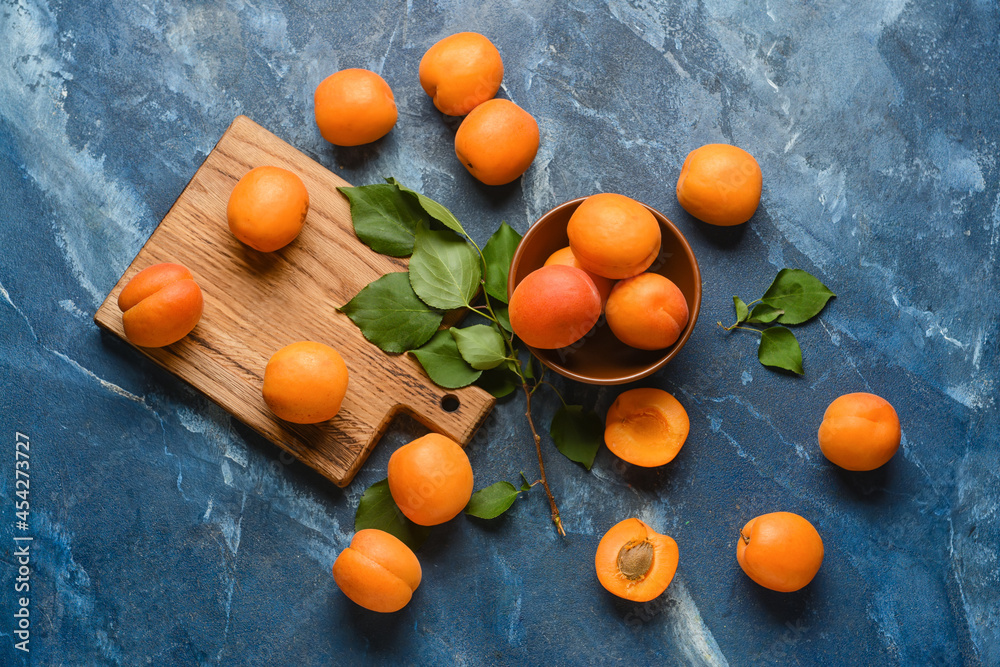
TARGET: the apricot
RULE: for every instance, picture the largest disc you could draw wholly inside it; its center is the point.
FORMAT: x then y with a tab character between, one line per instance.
566	257
613	236
305	382
554	306
461	72
377	571
859	432
720	184
267	208
646	427
781	551
647	311
635	562
354	107
497	142
160	305
430	479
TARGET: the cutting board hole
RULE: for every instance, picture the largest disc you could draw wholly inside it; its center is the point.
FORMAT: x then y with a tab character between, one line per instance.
450	403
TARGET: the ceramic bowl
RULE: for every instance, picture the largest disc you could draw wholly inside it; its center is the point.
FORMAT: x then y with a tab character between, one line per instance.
600	358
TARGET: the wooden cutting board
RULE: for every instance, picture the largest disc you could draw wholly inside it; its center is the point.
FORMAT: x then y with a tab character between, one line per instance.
255	303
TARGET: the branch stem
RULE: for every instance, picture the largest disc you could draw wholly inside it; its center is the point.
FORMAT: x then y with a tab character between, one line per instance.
737	326
541	463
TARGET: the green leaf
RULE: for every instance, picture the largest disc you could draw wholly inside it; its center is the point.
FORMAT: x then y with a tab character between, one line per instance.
779	349
481	345
491	502
741	309
525	484
764	314
444	363
432	208
378	510
498	254
385	218
798	293
444	269
391	316
503	318
499	381
577	433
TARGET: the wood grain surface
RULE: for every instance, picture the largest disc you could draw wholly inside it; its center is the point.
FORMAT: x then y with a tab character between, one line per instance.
255	303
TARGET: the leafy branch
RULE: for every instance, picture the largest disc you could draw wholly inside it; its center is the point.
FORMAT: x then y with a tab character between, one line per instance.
402	312
794	297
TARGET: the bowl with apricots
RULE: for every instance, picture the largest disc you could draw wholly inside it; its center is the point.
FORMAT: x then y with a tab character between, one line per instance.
604	289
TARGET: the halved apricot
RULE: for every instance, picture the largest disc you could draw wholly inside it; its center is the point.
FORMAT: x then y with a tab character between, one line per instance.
646	427
635	562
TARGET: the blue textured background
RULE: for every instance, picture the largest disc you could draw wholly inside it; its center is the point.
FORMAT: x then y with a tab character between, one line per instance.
167	533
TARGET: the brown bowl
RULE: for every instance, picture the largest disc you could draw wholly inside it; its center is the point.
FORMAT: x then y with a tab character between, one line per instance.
600	358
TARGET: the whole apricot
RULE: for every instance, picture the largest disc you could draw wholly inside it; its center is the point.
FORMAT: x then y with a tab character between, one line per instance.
461	72
497	142
613	236
646	427
305	382
160	305
554	306
781	551
635	562
647	311
859	432
720	184
377	571
267	208
566	257
430	479
354	107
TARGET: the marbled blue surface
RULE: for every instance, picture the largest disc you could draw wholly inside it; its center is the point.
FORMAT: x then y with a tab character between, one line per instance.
167	533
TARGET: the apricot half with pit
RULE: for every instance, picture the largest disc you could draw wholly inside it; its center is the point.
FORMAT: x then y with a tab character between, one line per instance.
635	562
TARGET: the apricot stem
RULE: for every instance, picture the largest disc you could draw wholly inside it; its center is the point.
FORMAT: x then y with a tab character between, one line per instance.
746	538
736	325
541	463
